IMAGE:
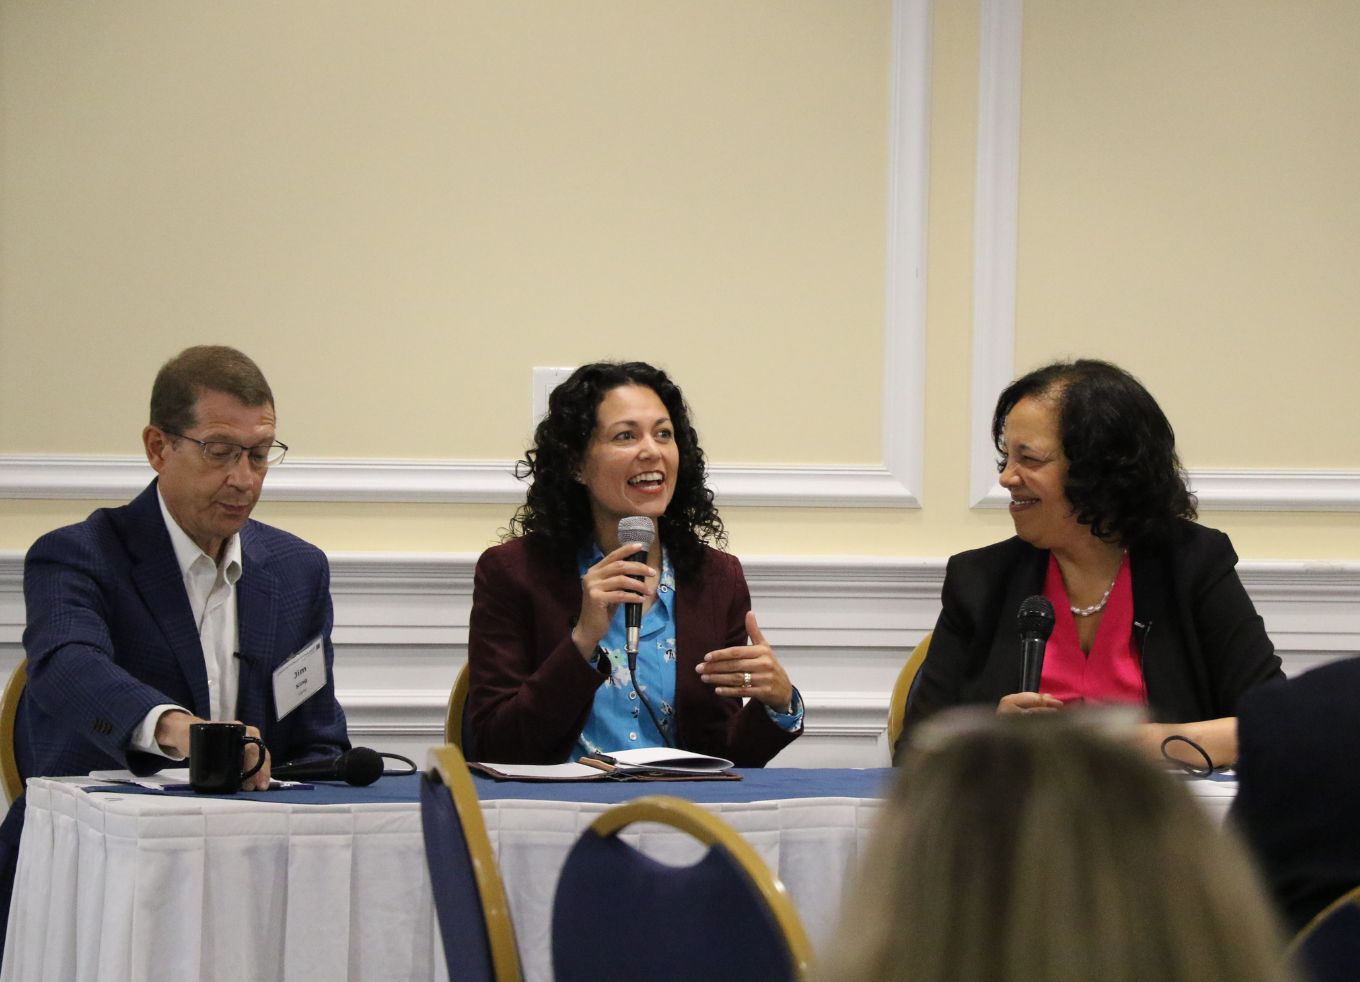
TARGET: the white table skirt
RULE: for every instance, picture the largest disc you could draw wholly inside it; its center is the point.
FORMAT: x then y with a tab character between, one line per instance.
123	886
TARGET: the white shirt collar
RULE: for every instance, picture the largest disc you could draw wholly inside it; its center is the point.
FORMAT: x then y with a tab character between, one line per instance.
187	551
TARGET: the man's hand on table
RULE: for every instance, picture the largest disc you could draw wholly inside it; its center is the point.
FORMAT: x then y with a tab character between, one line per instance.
172	735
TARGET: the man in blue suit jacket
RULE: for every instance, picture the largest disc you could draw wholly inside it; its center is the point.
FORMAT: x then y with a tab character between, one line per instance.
176	608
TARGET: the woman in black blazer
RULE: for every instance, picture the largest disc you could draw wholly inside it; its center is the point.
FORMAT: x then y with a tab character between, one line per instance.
1149	606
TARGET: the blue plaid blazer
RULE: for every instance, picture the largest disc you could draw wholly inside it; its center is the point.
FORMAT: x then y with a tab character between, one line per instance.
110	635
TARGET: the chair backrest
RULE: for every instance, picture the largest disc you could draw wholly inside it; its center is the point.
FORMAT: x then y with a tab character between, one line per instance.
10	778
469	897
1328	947
453	715
901	694
621	914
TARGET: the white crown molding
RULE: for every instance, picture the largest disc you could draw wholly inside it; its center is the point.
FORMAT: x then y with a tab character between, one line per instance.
1302	582
121	477
811	487
440	574
996	206
1277	490
845	714
51	476
817	585
385	714
1242	490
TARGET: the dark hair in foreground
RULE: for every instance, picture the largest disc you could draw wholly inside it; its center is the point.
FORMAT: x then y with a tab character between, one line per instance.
1033	849
209	367
556	509
1124	477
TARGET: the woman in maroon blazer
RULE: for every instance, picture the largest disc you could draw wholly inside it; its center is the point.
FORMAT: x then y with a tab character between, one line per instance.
549	675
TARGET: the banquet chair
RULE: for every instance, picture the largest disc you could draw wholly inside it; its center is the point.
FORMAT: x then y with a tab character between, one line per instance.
469	897
10	778
901	693
1328	947
621	914
453	715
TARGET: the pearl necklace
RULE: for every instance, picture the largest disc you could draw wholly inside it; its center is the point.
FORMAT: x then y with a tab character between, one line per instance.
1099	605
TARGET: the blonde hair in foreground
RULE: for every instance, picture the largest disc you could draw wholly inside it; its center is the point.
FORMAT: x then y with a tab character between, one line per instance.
1031	849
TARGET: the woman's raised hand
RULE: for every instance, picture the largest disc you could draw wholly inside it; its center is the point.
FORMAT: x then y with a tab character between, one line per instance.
607	584
749	670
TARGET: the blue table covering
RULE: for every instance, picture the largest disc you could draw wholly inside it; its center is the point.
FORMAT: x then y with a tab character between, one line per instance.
757	784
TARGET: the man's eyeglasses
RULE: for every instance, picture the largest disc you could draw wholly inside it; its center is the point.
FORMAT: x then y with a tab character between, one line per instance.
221	454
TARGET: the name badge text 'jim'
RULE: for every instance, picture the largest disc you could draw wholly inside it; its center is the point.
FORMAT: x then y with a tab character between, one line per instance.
299	678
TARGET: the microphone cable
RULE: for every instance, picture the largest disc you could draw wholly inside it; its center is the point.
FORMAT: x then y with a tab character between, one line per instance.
405	760
646	703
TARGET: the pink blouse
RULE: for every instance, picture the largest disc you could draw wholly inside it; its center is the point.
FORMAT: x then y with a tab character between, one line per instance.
1113	670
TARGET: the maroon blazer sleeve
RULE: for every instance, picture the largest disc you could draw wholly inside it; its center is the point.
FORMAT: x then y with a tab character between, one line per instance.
529	689
711	614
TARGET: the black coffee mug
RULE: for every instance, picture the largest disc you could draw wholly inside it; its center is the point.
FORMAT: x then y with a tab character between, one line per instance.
217	755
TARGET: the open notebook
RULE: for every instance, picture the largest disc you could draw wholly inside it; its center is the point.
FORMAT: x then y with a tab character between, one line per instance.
641	764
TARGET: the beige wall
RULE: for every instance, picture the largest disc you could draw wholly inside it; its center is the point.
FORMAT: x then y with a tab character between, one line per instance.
399	209
1189	208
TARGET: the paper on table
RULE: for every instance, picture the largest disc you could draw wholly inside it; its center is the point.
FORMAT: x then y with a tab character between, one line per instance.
647	763
172	779
667	759
539	772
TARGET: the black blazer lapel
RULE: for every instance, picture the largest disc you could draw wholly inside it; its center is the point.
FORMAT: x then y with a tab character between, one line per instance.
1027	580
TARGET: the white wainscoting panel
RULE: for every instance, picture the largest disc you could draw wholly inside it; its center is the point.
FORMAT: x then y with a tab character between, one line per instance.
841	625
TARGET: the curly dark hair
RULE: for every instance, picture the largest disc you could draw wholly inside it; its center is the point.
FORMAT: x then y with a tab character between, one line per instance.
556	509
1124	478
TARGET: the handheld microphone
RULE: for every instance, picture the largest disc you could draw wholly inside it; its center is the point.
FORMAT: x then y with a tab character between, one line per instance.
1036	624
359	767
635	528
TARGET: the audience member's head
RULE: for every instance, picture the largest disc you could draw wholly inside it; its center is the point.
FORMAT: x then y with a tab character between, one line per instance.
1036	849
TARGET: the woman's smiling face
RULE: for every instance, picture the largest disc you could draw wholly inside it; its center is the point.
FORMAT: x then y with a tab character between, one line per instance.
632	461
1035	474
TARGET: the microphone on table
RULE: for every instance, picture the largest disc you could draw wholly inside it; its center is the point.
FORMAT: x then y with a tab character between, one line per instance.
635	528
359	767
1036	624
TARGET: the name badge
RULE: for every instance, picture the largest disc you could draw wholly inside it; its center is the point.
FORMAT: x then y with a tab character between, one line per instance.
299	678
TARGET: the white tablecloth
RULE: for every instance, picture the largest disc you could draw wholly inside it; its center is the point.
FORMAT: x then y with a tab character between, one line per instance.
126	886
1216	793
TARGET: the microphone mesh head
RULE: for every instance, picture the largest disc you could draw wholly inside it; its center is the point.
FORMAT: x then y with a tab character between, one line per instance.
1036	617
637	528
362	766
